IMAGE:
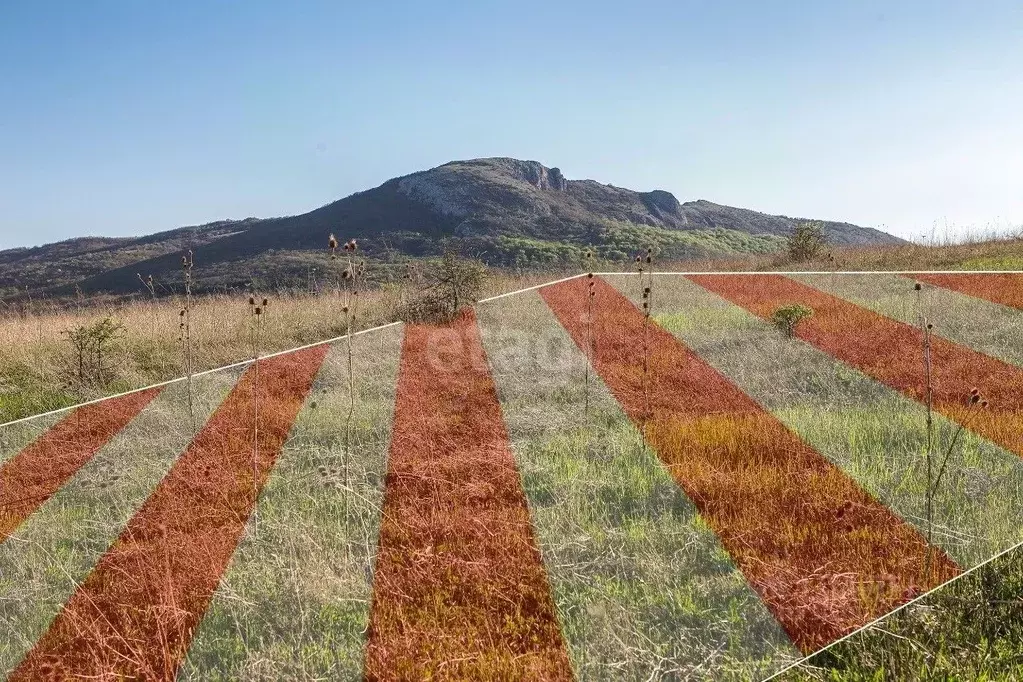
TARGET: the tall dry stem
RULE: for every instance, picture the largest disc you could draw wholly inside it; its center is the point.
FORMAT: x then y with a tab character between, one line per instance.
647	296
257	310
348	292
185	325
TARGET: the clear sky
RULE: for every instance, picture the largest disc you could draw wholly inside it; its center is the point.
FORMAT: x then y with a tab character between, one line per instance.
129	117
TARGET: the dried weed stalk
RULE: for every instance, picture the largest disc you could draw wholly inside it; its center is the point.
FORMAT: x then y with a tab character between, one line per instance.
185	333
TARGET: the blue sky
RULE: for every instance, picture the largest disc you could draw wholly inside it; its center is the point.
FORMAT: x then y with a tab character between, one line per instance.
130	117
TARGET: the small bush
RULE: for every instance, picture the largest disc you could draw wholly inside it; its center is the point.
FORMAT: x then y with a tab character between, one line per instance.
449	286
807	241
788	317
90	348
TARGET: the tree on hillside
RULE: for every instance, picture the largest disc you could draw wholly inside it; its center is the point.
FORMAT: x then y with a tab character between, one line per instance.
807	241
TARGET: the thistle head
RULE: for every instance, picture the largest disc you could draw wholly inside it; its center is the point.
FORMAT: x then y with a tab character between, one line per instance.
332	242
917	286
252	300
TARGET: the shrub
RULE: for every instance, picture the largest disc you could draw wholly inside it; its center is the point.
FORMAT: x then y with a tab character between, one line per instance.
807	241
90	345
787	317
450	285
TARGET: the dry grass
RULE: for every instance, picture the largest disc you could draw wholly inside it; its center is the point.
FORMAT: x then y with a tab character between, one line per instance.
34	354
34	357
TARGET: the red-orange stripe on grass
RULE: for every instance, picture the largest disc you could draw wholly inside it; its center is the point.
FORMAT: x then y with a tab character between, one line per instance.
460	591
134	615
1005	289
891	352
32	476
824	555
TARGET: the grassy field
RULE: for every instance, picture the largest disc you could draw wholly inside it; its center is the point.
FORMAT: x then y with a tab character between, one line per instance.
652	482
38	368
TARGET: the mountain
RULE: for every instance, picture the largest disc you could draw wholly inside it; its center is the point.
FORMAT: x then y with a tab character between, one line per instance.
501	210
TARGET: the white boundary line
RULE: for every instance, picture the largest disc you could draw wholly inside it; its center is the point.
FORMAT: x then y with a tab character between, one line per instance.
535	286
894	611
244	363
823	272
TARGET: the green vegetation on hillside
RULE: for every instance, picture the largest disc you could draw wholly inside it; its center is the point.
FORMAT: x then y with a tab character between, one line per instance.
617	242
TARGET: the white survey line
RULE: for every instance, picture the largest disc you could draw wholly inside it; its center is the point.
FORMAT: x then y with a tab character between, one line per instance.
894	611
243	363
823	272
535	286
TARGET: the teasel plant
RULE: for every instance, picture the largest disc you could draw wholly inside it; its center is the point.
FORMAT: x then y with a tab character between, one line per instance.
937	462
588	351
646	284
185	332
150	286
405	284
347	284
257	310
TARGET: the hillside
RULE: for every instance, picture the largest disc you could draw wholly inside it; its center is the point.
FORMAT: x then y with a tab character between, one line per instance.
504	211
